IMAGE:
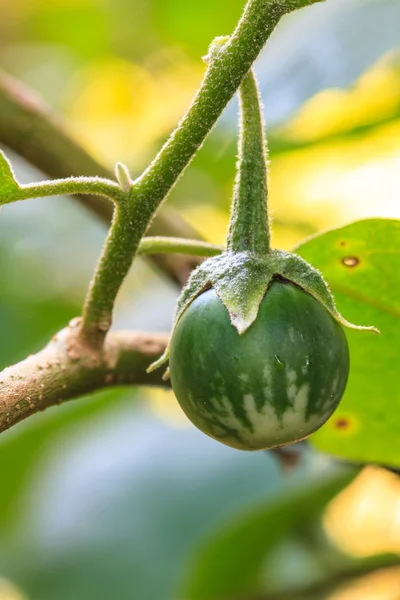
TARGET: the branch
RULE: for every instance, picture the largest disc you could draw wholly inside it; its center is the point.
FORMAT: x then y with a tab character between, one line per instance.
114	262
30	128
66	369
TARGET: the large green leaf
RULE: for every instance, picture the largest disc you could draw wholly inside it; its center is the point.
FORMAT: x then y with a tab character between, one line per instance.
361	262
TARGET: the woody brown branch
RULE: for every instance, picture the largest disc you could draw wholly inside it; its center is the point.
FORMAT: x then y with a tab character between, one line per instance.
67	369
30	128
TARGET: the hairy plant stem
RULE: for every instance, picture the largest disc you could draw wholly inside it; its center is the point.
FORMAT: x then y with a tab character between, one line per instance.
249	227
226	69
112	267
171	245
72	185
223	77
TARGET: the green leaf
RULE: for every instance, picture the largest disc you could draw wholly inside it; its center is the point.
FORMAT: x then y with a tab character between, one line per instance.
361	263
9	186
231	563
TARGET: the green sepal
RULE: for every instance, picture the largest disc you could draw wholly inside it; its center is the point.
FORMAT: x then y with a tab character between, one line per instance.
241	280
9	186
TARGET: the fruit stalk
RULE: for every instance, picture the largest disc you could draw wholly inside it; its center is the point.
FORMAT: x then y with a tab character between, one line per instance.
249	223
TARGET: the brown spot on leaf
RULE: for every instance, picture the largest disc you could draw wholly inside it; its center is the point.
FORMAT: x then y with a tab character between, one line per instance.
346	424
342	423
350	261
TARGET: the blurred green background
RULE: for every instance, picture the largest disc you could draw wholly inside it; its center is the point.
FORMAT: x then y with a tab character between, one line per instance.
117	496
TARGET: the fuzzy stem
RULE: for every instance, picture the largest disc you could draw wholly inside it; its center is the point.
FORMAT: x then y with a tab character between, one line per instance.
223	76
112	267
227	67
72	185
249	227
171	245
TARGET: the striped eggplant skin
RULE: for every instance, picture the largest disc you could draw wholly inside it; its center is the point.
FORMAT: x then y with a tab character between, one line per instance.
275	384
